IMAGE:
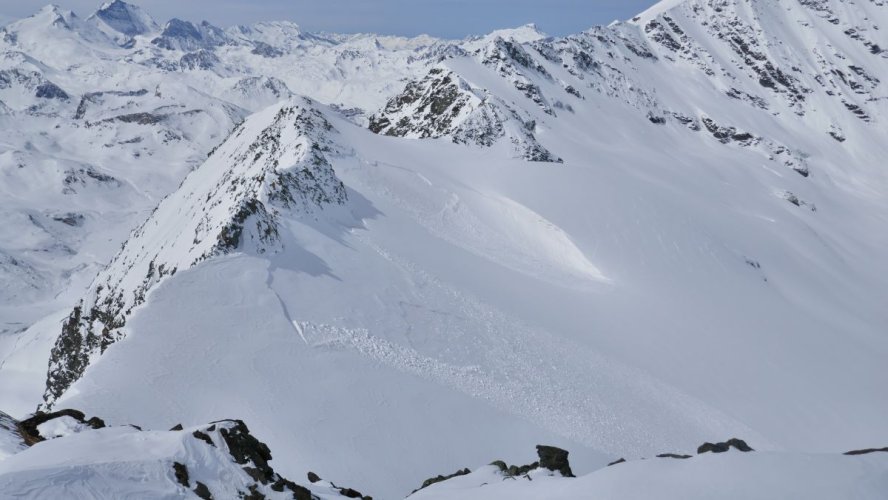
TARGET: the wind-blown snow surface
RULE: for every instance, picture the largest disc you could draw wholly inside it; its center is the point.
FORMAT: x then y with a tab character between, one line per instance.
707	261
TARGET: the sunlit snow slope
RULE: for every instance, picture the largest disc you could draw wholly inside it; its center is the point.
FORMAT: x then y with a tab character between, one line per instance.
624	241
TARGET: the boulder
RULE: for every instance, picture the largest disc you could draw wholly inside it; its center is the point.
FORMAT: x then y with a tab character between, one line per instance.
554	459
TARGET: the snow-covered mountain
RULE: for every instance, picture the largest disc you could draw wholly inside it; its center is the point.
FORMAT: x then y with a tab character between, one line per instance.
122	21
632	239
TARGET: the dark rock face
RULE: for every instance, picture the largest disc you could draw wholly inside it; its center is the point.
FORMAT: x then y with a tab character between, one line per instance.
551	458
140	118
185	36
443	105
735	443
177	29
774	151
33	82
70	219
713	447
554	459
435	100
673	455
837	136
253	457
98	97
346	492
246	449
350	493
203	437
202	59
867	451
181	473
616	462
437	479
266	85
265	50
510	60
202	491
119	16
740	444
514	470
50	90
29	426
299	492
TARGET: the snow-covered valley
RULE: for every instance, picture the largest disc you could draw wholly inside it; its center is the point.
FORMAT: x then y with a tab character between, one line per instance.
397	257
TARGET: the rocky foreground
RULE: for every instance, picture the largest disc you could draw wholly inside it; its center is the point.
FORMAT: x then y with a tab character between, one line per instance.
66	455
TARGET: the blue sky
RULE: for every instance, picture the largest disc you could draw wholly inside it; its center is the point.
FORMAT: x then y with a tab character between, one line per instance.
446	18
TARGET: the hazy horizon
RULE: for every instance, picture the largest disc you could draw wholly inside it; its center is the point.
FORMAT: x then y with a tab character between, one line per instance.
442	18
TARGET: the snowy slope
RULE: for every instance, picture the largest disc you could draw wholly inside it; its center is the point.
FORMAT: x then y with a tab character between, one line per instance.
225	460
645	235
765	476
11	441
88	460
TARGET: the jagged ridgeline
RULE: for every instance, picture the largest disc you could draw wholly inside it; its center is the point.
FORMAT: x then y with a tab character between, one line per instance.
442	104
735	46
274	163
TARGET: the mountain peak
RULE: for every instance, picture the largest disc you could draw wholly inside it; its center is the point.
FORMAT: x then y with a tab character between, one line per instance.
655	10
125	18
53	10
522	34
49	15
188	37
274	163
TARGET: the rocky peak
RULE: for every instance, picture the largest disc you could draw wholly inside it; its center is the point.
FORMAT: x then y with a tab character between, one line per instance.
56	16
275	163
188	37
125	18
442	104
512	62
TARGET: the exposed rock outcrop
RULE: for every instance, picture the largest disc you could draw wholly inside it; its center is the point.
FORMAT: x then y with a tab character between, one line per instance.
737	444
443	105
439	478
867	451
554	459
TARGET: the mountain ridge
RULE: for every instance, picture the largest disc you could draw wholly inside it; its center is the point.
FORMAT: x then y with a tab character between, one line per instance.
506	236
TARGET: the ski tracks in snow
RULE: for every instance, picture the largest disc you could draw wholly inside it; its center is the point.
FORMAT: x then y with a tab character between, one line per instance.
556	383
